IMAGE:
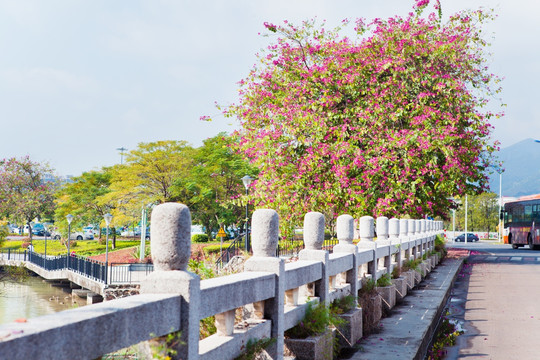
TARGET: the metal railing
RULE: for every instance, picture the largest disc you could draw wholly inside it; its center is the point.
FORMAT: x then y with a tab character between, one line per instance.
232	250
90	268
122	273
14	254
289	247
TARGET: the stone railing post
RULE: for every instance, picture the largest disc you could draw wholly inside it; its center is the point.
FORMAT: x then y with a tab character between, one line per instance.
412	237
418	236
313	242
367	233
171	249
382	240
264	239
393	232
424	235
404	238
345	235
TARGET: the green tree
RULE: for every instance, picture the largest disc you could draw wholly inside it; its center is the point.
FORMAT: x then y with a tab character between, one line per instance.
214	187
390	122
80	198
24	192
482	213
148	177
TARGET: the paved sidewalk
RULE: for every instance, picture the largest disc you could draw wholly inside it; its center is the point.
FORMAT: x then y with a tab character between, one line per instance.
406	334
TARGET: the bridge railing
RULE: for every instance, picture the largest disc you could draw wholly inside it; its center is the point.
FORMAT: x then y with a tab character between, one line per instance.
173	300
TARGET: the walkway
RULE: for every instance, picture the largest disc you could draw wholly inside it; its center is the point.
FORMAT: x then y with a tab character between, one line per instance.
407	332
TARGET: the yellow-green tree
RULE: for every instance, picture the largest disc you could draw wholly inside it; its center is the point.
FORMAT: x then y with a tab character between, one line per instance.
80	199
148	177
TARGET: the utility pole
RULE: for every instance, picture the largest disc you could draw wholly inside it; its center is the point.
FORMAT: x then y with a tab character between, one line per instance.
121	149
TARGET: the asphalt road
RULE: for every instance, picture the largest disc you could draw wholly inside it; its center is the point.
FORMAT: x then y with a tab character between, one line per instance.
495	302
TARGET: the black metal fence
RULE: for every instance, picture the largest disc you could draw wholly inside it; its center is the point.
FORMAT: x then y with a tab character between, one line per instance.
232	250
90	268
14	254
122	273
93	269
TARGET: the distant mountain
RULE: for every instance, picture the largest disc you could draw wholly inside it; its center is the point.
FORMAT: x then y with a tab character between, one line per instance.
521	163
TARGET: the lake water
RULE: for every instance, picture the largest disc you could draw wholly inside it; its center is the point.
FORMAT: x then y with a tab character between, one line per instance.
32	298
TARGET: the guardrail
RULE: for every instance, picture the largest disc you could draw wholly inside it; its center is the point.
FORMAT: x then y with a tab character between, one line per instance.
173	300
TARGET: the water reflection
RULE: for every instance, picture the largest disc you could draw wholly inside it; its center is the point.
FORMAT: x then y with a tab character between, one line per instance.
32	298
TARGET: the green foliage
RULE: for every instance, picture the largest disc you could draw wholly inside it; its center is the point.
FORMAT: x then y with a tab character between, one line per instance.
384	280
148	176
483	213
368	287
16	273
55	247
343	305
4	231
411	264
24	195
213	186
199	268
396	272
207	327
81	198
164	347
254	347
446	336
199	238
315	322
212	249
440	246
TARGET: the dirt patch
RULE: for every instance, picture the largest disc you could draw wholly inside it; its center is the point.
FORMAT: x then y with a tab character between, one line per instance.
119	256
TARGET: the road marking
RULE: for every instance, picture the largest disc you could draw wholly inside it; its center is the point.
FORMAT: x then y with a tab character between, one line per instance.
491	258
515	258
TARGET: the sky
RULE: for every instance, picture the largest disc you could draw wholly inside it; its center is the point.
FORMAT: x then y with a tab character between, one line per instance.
80	79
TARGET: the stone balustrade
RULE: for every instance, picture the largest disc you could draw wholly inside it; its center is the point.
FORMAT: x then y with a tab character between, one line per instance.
273	292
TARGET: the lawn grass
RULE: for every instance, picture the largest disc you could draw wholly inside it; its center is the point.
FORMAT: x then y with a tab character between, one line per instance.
81	247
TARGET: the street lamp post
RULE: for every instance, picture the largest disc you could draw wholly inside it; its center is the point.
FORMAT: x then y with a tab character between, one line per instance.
247	181
466	214
108	218
69	218
45	229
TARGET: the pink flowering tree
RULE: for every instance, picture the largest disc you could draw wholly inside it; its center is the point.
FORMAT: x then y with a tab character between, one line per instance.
24	195
390	122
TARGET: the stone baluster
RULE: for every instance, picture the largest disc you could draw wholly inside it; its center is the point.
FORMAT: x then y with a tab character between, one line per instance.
393	232
424	235
412	237
313	241
382	240
345	235
171	249
418	233
404	238
264	238
367	233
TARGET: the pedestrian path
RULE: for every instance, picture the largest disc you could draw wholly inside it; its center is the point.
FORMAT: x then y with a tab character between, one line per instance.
407	333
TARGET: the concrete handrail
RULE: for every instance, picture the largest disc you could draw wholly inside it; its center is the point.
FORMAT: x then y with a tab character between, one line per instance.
174	299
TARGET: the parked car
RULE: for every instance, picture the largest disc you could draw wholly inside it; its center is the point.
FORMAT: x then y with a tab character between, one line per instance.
91	229
75	235
470	238
40	232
